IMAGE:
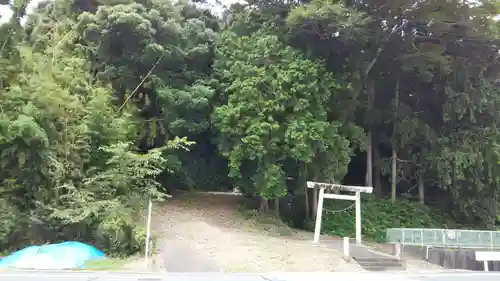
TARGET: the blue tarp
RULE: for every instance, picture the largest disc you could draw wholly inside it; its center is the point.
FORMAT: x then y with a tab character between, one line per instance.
64	255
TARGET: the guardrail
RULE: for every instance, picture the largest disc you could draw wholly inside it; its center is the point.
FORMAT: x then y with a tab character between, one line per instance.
444	238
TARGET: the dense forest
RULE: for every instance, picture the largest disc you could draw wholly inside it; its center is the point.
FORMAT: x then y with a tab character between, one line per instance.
106	103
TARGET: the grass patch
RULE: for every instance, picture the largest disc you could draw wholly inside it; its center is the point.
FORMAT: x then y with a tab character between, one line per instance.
378	215
107	264
238	268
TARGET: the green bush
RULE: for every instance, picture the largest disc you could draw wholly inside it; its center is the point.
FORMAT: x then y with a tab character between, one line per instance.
120	237
378	215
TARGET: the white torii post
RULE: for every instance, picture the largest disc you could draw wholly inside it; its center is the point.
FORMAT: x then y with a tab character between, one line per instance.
148	230
148	233
357	198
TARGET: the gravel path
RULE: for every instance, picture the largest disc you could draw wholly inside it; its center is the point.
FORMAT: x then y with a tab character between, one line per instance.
206	233
181	257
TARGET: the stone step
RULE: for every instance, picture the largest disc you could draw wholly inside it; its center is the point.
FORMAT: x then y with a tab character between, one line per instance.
379	264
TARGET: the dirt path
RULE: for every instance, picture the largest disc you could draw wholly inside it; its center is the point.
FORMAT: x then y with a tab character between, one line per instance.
207	233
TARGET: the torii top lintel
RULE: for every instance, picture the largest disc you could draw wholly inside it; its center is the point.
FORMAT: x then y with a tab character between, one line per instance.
334	186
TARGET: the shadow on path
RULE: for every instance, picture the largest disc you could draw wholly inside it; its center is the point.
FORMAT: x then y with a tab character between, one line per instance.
179	256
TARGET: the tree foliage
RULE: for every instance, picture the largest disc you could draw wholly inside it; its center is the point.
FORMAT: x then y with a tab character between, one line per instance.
104	104
277	111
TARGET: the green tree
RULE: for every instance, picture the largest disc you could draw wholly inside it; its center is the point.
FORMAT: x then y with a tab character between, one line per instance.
277	110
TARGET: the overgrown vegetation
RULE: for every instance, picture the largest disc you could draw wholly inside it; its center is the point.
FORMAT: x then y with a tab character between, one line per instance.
106	103
380	214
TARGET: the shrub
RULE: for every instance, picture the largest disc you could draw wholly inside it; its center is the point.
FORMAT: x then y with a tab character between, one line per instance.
378	215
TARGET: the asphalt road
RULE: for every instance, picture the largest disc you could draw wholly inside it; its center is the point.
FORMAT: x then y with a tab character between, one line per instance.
341	276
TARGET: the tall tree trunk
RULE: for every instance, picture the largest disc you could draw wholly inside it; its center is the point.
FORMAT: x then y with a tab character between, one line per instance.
303	181
369	155
306	201
421	189
377	188
393	175
394	144
369	160
264	205
421	174
315	195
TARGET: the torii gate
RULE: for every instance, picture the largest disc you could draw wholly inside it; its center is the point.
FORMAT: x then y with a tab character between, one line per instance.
332	186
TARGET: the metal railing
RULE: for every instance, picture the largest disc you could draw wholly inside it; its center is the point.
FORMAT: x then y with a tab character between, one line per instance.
444	238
